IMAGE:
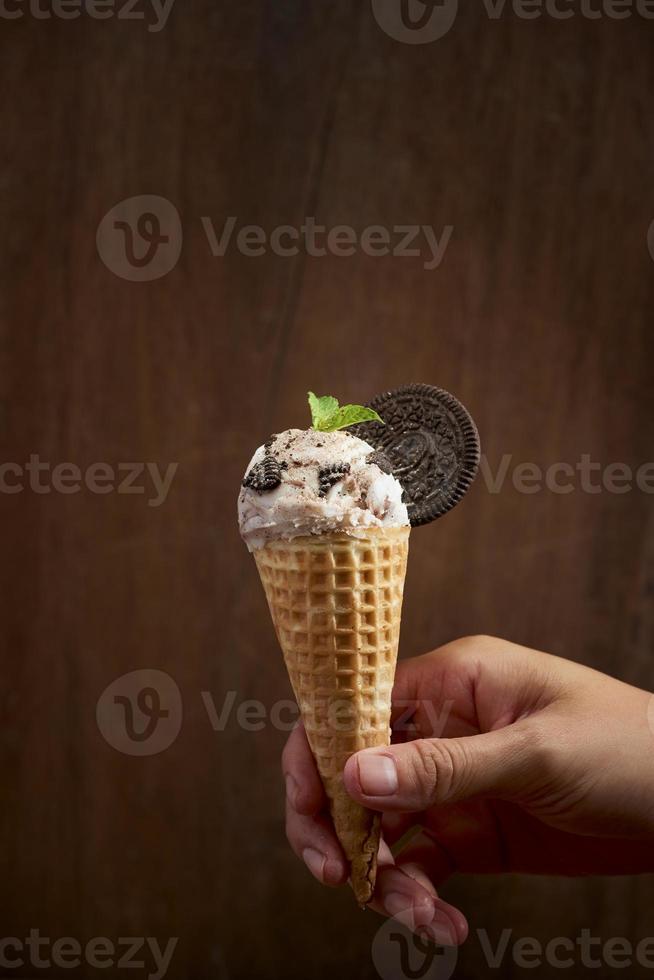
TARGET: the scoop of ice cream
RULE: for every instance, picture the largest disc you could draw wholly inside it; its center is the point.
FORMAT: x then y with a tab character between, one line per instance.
309	482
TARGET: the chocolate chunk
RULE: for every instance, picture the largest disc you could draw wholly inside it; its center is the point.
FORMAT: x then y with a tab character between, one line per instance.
264	476
432	445
330	475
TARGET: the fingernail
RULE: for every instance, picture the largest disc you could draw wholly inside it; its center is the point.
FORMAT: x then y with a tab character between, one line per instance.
315	862
439	931
291	787
377	774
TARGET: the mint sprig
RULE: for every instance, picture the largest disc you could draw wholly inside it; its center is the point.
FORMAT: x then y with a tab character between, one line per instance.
327	415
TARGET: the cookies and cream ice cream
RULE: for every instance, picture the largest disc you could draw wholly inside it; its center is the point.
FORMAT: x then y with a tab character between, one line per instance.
305	482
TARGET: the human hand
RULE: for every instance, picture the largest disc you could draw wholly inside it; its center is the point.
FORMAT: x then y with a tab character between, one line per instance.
504	759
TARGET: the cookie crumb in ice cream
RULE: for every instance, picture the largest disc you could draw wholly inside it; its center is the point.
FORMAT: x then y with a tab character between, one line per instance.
264	476
329	476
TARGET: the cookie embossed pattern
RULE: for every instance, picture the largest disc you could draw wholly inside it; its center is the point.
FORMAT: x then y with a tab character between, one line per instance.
432	444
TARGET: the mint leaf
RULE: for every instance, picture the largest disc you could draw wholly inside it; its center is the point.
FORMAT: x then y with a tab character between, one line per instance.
323	411
351	414
327	415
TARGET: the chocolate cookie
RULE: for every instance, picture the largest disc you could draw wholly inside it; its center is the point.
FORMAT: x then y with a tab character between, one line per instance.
432	444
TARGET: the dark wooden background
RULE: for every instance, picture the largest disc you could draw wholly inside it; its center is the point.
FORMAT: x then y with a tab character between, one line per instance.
534	139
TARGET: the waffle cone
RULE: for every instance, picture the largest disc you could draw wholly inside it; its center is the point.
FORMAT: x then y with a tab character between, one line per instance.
336	602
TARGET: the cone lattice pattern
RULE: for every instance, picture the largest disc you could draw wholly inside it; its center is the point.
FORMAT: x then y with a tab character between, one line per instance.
336	603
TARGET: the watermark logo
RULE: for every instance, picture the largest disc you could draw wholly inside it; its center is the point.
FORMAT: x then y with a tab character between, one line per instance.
140	239
398	954
140	713
415	21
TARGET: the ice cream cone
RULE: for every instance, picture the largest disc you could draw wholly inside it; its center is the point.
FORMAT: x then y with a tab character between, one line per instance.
336	602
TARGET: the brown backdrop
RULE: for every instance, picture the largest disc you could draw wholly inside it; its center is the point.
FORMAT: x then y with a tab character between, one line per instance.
533	139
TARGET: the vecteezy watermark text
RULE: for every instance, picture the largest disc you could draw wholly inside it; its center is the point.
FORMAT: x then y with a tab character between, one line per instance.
424	21
586	474
255	716
99	953
100	478
316	240
125	10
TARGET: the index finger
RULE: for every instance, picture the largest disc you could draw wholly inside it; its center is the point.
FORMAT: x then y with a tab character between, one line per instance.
433	695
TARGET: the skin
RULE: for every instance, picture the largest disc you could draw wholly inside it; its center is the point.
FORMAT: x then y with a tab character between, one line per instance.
504	759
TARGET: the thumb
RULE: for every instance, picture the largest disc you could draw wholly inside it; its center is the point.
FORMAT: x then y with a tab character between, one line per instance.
415	775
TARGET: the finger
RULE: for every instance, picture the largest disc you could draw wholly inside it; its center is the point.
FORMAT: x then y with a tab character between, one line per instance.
456	918
303	784
416	775
314	841
427	853
385	862
446	924
415	679
412	900
398	895
471	836
396	825
434	695
468	686
418	874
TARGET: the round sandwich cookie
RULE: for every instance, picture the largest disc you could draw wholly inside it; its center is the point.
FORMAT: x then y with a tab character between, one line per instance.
431	443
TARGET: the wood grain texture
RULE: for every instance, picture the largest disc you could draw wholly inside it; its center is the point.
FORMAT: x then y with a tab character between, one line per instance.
534	140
